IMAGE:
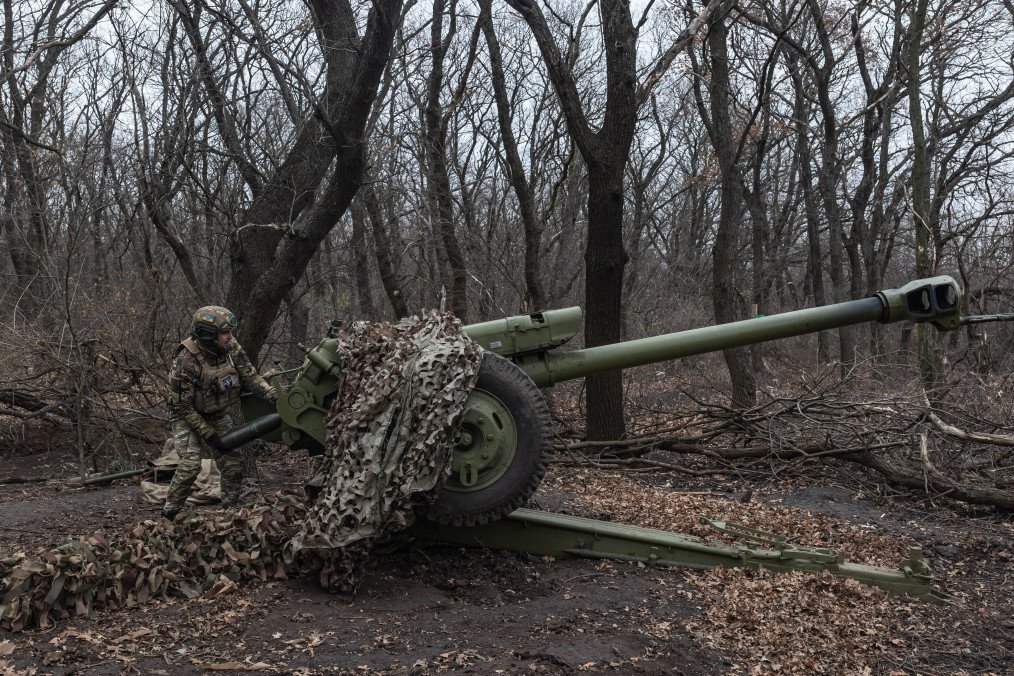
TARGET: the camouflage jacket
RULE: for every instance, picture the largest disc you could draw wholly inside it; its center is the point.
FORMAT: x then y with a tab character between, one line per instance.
202	383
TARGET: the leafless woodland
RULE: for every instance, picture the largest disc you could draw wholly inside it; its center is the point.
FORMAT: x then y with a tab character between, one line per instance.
665	165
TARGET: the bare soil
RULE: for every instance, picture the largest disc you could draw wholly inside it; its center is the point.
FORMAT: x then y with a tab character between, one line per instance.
445	609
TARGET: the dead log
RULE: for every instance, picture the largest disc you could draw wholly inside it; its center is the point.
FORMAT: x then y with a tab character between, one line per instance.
930	479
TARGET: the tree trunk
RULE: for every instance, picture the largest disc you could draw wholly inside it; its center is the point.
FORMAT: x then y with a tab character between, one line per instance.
155	205
281	201
515	168
360	252
726	302
632	243
929	362
27	234
267	261
605	259
385	256
26	113
438	179
759	234
605	153
299	322
815	269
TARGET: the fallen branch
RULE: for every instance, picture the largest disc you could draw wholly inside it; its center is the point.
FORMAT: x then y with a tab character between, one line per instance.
638	441
931	479
33	406
630	463
963	435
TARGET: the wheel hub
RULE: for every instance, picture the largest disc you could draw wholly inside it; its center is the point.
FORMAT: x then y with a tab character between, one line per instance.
484	443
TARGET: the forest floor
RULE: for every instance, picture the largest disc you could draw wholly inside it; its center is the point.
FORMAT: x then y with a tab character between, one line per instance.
446	609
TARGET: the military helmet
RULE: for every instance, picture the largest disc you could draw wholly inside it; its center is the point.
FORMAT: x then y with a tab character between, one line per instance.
211	320
214	318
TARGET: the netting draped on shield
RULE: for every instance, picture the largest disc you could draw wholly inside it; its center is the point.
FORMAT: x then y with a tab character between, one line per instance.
388	445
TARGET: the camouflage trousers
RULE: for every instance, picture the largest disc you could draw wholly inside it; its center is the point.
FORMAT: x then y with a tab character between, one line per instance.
192	449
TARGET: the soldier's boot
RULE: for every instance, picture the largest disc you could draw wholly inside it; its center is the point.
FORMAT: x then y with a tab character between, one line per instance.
230	497
170	512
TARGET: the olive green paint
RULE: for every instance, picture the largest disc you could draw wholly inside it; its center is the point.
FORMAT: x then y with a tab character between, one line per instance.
544	534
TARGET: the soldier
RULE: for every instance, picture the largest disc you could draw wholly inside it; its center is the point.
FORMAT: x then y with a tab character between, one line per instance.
204	383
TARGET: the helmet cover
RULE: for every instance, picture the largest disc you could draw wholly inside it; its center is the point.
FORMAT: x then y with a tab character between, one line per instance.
209	321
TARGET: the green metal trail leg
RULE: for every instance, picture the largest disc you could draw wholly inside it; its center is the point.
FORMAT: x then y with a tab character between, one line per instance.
544	534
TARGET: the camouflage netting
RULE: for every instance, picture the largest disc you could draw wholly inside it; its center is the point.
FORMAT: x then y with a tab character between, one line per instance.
388	443
388	451
204	554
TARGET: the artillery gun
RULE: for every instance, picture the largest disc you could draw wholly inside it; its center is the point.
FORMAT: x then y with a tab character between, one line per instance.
505	432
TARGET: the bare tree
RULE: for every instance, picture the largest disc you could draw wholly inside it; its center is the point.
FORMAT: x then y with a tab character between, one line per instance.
29	60
605	152
437	117
717	115
269	260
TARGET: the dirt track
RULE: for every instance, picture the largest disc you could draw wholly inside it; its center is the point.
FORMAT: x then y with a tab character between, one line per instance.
472	611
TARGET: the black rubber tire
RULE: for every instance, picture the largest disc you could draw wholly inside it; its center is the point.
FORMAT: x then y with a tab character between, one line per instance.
524	400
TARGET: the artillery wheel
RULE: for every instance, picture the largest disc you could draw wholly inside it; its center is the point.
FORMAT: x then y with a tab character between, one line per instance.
500	448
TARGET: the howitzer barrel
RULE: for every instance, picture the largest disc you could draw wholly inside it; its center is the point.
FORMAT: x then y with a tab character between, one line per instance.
935	300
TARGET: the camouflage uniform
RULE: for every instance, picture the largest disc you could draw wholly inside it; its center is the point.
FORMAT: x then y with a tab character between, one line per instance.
203	386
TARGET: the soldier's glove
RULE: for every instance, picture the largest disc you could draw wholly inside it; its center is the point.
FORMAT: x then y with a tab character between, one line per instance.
272	395
215	442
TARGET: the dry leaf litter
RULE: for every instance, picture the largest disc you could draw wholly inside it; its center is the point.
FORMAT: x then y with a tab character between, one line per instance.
792	623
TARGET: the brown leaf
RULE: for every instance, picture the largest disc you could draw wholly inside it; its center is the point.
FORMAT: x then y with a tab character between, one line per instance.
134	635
